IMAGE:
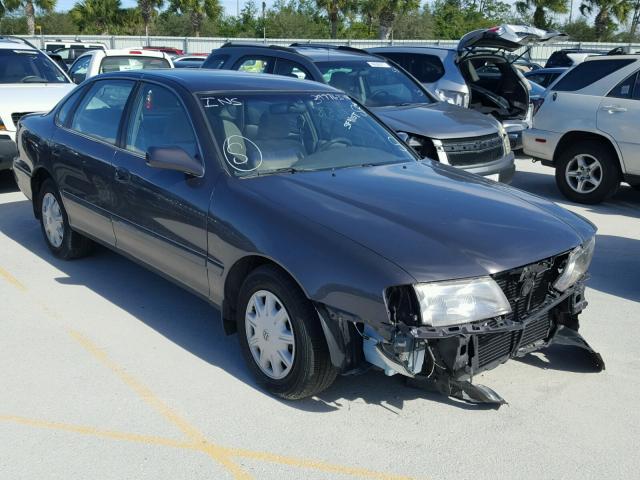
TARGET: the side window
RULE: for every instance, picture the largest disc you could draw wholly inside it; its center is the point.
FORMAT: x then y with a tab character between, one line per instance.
636	89
215	61
100	111
587	73
426	68
78	71
63	114
158	119
291	69
255	64
625	88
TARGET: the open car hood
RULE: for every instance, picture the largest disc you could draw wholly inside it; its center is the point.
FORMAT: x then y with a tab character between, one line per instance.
506	37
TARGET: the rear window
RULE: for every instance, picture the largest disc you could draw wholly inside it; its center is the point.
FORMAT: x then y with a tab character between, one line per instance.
426	68
215	61
28	66
119	64
587	73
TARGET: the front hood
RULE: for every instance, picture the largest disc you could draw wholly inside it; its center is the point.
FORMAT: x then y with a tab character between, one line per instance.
433	221
438	120
34	97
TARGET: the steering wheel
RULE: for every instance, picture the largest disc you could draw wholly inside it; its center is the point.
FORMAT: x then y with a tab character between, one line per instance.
334	142
29	78
380	93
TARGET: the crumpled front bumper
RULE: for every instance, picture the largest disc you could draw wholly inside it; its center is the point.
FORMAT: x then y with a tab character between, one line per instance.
447	358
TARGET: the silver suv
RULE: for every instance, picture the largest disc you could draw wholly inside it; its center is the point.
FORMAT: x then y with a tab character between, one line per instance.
482	73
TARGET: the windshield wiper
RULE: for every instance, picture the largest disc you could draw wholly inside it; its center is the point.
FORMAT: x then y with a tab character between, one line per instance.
281	170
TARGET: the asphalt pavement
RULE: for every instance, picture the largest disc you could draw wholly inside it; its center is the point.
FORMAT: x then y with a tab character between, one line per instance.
110	372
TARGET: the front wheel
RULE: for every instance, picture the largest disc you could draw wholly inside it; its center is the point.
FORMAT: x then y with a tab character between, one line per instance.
281	337
60	238
587	172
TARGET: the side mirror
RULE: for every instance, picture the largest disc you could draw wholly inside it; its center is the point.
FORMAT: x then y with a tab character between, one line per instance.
174	158
404	136
78	78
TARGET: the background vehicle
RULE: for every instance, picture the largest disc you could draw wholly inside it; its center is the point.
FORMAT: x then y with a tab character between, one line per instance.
69	52
170	51
587	128
189	61
568	57
29	82
545	76
244	188
482	73
444	132
96	62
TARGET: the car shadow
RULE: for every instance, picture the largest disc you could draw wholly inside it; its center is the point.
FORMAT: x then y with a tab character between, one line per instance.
562	358
625	202
192	323
7	182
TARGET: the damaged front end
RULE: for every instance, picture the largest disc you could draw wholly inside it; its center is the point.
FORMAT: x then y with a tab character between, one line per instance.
543	307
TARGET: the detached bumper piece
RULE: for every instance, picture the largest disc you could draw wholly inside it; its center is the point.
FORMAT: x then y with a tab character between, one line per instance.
540	317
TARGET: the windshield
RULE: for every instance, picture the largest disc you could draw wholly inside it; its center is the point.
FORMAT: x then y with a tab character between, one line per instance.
373	83
120	64
28	66
268	133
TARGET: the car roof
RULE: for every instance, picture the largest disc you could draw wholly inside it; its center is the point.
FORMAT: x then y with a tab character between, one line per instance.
314	52
9	43
601	58
140	52
411	49
197	80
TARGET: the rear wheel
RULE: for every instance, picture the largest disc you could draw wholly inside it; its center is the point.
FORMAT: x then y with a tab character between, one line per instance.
281	337
587	172
60	238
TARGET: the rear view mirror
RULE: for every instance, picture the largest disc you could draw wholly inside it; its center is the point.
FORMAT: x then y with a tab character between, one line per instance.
78	78
403	136
174	158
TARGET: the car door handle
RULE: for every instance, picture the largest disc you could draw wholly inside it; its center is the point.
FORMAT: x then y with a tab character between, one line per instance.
614	108
122	175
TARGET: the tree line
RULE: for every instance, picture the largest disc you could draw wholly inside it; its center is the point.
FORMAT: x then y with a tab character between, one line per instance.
600	20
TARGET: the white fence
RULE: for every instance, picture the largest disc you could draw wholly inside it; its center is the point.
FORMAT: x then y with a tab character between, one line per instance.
205	45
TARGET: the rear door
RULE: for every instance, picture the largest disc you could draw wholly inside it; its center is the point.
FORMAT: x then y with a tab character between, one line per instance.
82	152
619	116
160	215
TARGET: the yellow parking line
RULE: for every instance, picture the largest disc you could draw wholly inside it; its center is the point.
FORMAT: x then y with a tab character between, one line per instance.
12	280
198	442
214	451
95	432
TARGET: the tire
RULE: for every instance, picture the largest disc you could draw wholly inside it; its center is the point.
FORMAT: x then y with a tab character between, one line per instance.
310	370
63	242
600	182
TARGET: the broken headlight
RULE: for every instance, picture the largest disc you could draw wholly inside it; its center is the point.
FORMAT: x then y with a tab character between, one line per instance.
460	301
576	266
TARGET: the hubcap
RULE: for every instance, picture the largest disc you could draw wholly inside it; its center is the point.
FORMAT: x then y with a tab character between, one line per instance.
52	220
269	334
584	173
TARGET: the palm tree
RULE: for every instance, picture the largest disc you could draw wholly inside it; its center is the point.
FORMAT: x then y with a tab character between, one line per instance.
29	7
540	10
607	11
334	8
386	12
98	15
147	9
196	10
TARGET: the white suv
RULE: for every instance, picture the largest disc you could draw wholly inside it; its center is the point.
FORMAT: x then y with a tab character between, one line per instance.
95	62
588	127
29	82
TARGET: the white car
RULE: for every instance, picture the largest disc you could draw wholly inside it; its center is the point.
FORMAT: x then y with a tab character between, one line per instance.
587	127
95	62
29	82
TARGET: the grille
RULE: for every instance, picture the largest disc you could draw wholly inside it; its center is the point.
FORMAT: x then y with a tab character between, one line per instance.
474	151
17	116
493	346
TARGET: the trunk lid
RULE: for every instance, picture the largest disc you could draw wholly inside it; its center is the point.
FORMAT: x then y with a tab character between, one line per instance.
505	37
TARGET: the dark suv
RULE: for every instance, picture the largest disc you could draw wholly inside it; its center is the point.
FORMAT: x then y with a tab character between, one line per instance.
437	130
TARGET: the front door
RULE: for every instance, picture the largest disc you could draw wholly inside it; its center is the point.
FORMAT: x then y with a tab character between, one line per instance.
160	215
83	149
619	116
